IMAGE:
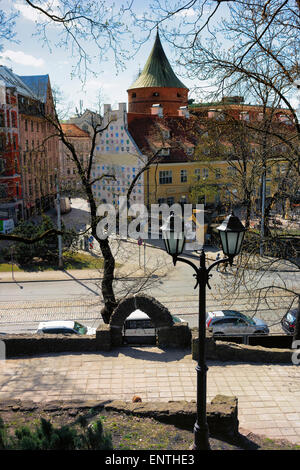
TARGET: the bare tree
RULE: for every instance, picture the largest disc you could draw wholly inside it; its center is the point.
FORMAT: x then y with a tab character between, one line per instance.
80	28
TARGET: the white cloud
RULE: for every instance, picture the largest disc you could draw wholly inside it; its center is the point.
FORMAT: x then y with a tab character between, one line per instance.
186	12
31	14
21	58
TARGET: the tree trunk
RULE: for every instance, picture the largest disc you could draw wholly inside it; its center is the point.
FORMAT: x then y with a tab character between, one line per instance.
107	282
297	325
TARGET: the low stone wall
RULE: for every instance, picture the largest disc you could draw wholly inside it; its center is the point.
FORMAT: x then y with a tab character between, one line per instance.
34	345
222	412
233	352
177	336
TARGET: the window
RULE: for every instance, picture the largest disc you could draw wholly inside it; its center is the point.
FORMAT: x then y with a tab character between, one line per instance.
2	165
3	190
164	151
197	173
14	119
2	142
170	200
155	93
183	176
133	95
205	172
231	170
218	173
165	177
2	119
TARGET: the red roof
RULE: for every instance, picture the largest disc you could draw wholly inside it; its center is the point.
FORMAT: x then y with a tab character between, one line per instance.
147	134
71	130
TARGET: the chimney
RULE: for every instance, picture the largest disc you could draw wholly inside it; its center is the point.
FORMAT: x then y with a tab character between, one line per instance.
211	113
157	109
184	112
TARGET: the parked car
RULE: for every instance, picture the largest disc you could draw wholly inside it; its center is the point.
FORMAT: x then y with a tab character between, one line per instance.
65	328
288	321
232	322
139	329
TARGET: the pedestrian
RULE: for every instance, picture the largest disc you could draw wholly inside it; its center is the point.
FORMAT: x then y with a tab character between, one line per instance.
224	270
217	259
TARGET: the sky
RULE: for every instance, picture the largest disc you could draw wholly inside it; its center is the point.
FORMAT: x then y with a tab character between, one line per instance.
30	55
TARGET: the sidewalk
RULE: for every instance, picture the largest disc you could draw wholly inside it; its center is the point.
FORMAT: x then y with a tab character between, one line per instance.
130	270
268	395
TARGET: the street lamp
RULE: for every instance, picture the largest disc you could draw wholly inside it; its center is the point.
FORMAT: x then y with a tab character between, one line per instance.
231	233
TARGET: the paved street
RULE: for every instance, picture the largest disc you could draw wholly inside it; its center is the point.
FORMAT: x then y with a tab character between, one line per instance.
268	395
27	298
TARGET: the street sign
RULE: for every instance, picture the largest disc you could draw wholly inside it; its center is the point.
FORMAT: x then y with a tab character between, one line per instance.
91	239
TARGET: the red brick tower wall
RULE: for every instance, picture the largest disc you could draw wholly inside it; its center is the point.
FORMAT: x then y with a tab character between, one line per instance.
140	100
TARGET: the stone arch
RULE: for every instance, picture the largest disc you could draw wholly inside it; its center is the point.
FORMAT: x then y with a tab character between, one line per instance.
158	313
169	333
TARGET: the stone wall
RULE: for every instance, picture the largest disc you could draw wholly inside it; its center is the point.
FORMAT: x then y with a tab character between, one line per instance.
222	412
227	351
169	334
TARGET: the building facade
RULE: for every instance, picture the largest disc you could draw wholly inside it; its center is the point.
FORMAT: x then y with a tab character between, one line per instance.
11	205
69	178
116	159
39	145
29	155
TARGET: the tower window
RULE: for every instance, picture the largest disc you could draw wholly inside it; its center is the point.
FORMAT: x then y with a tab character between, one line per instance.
155	93
133	95
178	95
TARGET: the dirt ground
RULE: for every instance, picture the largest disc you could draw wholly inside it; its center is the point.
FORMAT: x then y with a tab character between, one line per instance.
135	433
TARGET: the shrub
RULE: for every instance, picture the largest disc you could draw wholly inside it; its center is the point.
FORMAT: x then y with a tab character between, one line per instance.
46	437
47	248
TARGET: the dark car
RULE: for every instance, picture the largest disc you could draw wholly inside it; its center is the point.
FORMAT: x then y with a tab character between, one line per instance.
288	321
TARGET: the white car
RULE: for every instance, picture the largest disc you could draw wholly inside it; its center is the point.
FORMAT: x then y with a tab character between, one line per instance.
64	328
232	322
138	328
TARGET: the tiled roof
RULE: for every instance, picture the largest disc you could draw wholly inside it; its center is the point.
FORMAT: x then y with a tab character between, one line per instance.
146	133
38	84
157	71
71	130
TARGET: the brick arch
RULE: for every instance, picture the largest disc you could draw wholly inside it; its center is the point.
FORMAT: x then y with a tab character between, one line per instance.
158	313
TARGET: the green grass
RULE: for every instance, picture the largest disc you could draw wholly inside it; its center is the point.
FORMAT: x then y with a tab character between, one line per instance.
6	267
70	261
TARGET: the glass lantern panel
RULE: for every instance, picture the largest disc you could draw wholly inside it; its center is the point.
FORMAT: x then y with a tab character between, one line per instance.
223	236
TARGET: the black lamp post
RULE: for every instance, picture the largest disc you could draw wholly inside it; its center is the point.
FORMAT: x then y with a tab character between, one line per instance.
231	233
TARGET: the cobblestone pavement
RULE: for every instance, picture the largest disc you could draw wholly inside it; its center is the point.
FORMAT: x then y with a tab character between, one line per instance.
268	395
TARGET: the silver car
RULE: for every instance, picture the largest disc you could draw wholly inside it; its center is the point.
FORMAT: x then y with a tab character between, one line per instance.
234	323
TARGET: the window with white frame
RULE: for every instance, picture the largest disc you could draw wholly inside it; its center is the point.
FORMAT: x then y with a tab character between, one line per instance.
218	173
197	173
165	177
183	176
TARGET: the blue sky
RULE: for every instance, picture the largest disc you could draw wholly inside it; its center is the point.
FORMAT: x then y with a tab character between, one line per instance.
30	56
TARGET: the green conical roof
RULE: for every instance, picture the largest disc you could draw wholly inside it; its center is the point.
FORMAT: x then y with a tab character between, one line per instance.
157	71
